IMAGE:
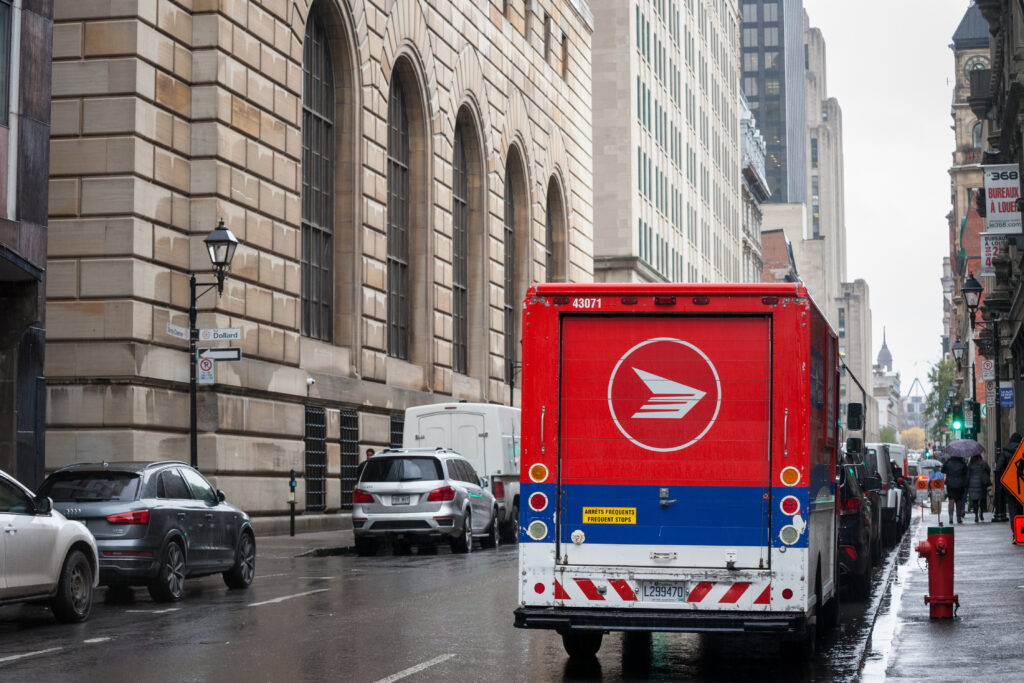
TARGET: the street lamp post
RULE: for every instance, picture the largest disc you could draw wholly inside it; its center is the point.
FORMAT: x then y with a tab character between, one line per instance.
221	245
972	290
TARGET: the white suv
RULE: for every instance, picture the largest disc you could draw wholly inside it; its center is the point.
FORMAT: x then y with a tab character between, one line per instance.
46	557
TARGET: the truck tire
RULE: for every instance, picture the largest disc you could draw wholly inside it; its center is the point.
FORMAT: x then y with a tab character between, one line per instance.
582	644
510	529
803	648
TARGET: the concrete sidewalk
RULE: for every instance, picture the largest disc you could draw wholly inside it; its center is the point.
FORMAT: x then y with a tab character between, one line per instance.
304	543
984	641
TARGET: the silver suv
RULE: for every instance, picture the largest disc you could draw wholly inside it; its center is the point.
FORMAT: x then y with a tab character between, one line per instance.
421	496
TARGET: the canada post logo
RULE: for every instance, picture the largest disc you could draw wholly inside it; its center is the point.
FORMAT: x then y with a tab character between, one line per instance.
664	394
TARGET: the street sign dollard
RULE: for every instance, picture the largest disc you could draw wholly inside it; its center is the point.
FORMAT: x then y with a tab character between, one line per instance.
1013	475
220	334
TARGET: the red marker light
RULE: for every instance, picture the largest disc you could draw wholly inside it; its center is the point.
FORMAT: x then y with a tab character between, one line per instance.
790	505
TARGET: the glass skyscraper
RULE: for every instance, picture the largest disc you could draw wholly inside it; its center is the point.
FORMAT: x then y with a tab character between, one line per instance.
773	64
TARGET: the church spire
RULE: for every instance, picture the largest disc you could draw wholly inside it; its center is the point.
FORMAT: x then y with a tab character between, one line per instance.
884	355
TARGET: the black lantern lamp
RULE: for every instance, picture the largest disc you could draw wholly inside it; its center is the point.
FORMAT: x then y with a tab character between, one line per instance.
971	289
958	351
221	243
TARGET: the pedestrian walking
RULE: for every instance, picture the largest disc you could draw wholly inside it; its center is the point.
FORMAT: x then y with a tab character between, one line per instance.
979	478
955	470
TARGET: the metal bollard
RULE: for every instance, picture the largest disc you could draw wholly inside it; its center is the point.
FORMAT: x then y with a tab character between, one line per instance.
291	503
938	550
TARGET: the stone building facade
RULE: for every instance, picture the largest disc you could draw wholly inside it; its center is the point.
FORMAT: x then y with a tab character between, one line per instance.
397	173
754	193
25	33
825	265
970	54
667	141
853	325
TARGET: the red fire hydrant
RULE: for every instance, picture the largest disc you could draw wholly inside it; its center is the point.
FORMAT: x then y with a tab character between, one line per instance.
938	550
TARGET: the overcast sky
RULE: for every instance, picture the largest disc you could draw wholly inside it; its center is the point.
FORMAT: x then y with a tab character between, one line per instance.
890	66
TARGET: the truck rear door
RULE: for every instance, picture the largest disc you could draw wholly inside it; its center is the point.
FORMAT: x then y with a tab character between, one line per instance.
664	453
460	431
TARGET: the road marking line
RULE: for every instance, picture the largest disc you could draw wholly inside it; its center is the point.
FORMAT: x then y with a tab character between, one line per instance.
93	641
416	669
30	654
317	578
286	597
267	576
152	611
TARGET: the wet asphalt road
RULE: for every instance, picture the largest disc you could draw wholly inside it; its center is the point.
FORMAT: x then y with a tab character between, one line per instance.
436	617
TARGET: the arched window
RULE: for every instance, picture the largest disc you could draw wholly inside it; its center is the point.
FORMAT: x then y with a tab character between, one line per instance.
317	290
510	277
460	254
976	136
555	235
519	248
398	223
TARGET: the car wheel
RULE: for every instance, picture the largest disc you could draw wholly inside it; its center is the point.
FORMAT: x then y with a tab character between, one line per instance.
244	571
73	600
582	644
463	543
169	584
491	539
510	530
366	547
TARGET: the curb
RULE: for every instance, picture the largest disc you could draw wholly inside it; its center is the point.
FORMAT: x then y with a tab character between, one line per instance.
886	592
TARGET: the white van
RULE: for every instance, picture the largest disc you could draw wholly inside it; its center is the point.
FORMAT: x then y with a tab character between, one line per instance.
485	434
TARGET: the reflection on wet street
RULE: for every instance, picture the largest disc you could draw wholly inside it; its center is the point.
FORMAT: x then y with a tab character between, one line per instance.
423	617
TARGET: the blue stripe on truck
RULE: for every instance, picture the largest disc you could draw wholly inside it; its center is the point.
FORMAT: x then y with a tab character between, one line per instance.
698	515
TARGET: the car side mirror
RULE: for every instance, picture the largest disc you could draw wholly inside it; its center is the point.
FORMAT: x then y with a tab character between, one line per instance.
43	505
855	416
872	482
483	482
220	496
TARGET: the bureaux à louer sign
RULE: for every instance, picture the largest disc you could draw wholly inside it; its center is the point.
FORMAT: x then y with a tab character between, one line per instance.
1002	189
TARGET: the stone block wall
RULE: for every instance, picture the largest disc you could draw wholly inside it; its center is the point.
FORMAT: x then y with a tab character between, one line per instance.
169	115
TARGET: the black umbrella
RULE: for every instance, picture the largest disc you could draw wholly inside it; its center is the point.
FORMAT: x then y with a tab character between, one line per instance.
964	448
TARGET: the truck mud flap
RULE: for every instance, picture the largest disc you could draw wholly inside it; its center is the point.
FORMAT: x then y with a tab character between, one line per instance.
687	621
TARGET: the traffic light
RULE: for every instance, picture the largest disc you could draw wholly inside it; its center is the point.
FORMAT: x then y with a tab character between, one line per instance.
956	423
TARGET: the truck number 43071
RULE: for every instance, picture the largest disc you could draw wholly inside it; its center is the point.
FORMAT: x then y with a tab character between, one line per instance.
586	303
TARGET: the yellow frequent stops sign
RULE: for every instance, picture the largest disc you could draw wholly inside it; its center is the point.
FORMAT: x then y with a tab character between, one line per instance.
609	515
1013	475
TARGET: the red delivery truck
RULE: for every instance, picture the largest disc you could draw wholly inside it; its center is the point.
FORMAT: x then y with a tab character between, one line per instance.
678	462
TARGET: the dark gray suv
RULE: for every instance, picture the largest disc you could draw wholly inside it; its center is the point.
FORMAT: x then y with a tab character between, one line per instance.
156	524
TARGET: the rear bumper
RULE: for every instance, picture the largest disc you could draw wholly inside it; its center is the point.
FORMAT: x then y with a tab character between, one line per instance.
688	621
127	570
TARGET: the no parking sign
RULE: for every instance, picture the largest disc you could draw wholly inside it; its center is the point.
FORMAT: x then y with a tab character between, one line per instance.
204	371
